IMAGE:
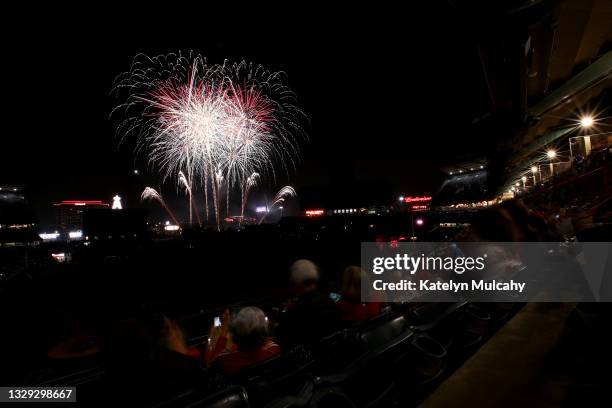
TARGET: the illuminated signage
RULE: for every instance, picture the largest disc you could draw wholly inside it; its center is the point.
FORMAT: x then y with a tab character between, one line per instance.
82	202
314	213
417	199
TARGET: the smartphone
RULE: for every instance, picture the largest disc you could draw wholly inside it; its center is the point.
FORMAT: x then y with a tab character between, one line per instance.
217	321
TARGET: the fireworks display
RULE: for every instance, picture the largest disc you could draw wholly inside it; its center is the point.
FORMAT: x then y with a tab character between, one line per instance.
217	127
151	194
280	197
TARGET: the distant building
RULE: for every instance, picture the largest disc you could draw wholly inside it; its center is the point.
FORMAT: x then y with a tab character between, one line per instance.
17	221
69	213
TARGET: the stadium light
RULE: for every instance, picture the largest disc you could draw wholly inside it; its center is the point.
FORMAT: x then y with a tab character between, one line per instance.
586	121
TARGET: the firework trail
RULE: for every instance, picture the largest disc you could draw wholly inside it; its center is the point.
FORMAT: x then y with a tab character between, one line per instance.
192	205
215	122
250	182
216	197
280	197
150	194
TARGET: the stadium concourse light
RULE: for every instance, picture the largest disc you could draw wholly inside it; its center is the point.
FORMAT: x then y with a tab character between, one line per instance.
534	171
586	121
551	154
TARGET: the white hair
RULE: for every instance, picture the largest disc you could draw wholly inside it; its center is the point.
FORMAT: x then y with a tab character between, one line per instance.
249	328
303	271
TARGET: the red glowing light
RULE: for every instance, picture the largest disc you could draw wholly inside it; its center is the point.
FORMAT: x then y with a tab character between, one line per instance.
314	213
417	199
82	202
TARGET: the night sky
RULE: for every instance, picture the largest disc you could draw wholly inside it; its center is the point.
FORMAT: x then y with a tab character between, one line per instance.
390	97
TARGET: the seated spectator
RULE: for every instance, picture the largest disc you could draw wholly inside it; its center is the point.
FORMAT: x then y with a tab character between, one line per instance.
311	314
147	359
352	310
241	342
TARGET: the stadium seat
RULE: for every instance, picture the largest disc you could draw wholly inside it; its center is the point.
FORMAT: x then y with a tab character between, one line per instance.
375	368
233	397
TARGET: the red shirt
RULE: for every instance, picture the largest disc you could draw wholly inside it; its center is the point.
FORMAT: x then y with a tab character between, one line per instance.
235	360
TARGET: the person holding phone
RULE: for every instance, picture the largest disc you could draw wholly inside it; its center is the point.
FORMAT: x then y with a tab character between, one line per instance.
238	342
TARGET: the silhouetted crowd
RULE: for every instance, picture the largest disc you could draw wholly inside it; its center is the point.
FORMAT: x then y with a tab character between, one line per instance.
147	358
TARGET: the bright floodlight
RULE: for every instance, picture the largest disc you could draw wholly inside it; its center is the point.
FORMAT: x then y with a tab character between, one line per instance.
534	169
586	121
75	234
551	154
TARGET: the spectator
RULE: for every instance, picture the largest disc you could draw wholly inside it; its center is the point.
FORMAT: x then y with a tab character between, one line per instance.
352	310
241	342
147	359
311	314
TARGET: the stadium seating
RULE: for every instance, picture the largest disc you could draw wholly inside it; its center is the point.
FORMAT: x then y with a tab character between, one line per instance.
395	359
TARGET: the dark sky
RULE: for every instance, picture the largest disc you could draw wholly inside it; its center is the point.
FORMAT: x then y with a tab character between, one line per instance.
390	95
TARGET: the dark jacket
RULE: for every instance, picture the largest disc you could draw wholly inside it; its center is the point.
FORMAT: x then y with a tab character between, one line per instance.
312	316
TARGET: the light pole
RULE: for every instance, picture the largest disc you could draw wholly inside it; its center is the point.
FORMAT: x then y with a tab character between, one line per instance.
586	121
534	171
551	154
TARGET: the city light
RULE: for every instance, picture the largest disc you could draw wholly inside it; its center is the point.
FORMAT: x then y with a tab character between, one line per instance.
81	203
75	234
419	221
136	171
551	154
524	179
586	121
534	169
401	198
314	213
171	228
59	257
417	199
49	236
261	209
